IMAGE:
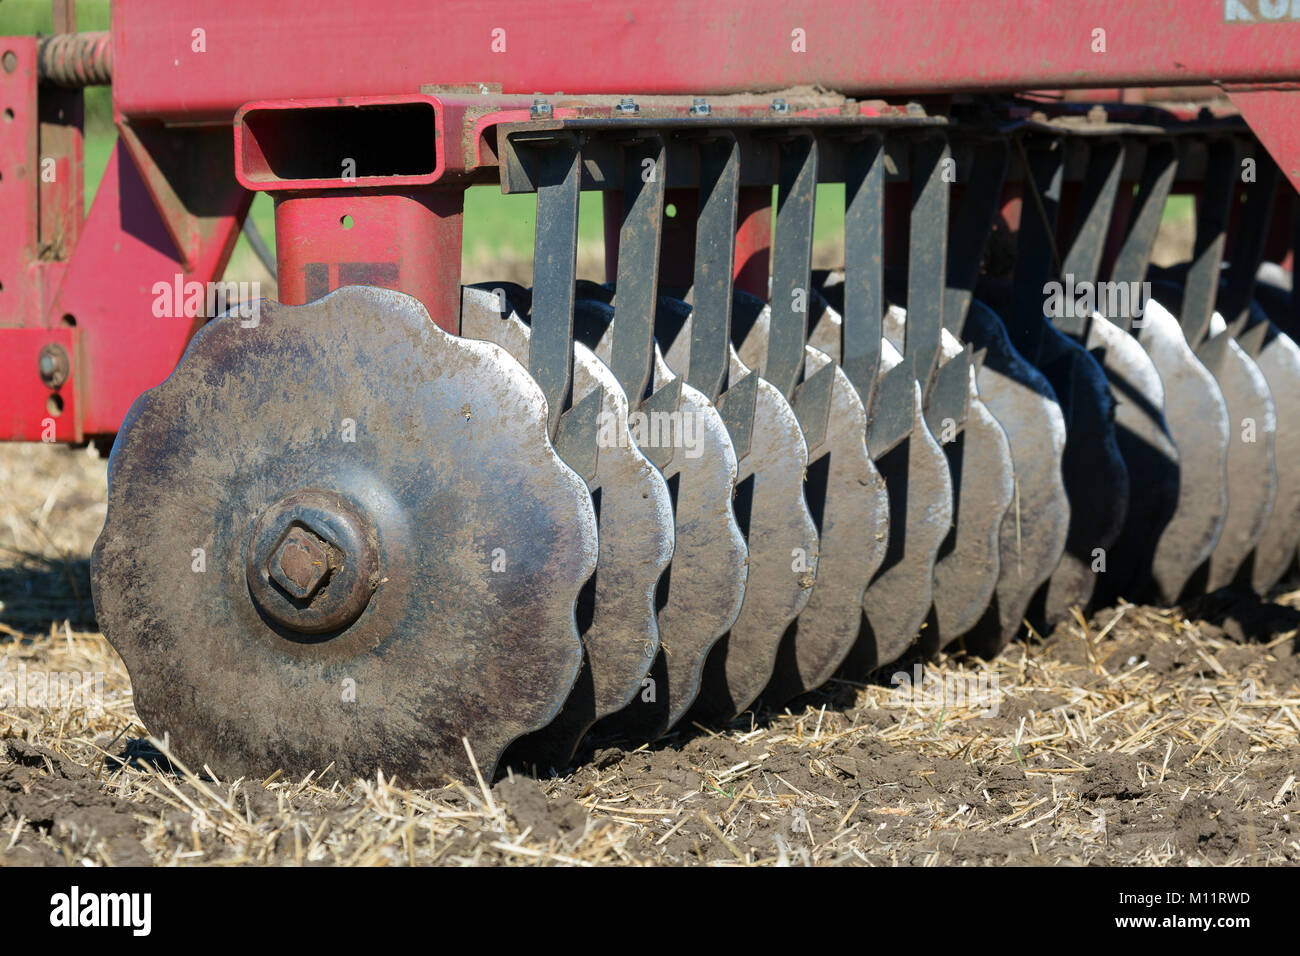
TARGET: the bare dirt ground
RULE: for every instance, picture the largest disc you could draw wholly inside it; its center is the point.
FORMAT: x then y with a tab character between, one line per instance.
1141	736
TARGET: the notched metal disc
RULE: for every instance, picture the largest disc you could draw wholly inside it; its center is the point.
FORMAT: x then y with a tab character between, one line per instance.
1252	476
483	538
900	597
849	500
1149	457
979	463
1034	528
701	593
1198	424
635	531
1279	361
1096	477
781	540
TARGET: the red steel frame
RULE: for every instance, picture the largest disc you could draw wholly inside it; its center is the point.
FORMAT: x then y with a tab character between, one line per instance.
170	204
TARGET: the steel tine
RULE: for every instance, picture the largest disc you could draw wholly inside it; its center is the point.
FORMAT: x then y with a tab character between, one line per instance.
1097	200
927	260
632	356
864	277
555	257
1036	257
1134	256
971	227
715	257
792	263
1248	246
1204	275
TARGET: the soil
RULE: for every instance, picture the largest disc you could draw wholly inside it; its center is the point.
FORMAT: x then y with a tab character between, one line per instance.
1140	735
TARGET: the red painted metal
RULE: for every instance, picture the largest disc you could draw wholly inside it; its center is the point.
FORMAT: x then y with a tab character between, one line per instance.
170	205
313	49
109	292
753	239
31	411
404	240
267	133
1274	116
20	268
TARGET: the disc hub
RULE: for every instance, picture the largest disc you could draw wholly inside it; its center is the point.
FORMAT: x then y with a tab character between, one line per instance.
311	563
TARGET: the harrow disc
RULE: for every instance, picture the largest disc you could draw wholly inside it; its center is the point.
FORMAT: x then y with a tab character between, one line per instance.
780	537
1096	477
1252	477
1034	528
979	461
1149	456
342	537
1278	359
849	498
635	530
849	494
1198	425
701	592
899	599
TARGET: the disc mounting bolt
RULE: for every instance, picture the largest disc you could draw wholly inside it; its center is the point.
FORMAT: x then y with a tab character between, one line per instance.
301	563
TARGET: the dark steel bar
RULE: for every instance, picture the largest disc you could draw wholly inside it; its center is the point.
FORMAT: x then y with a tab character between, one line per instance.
1201	287
715	253
638	267
792	262
927	260
864	276
1144	222
1036	260
555	255
970	230
1248	244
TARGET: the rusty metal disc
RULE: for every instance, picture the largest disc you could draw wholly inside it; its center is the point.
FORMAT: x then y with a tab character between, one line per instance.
900	597
360	410
701	593
1278	359
780	536
1034	528
846	494
616	612
1096	477
1198	424
1150	458
1252	476
979	462
849	496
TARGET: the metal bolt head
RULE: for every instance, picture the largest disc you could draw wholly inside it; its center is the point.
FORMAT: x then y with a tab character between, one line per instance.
780	106
627	105
700	107
312	563
301	563
53	365
541	109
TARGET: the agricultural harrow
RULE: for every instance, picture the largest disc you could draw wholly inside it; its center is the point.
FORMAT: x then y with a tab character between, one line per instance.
394	521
